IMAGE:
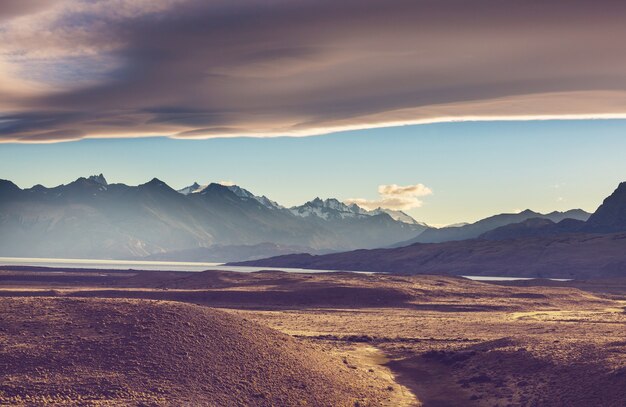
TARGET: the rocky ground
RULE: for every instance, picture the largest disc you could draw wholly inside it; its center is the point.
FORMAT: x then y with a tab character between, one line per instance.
138	352
447	341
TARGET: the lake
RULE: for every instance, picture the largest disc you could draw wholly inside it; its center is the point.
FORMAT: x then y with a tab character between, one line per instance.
183	266
142	265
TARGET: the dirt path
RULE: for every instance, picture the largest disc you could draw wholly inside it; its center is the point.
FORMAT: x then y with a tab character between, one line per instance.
430	381
411	378
375	361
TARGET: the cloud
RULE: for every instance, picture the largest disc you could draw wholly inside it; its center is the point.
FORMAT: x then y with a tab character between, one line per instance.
226	183
395	197
409	190
15	8
74	69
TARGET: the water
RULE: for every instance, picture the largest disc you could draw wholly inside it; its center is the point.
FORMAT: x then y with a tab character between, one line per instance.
187	266
491	278
143	265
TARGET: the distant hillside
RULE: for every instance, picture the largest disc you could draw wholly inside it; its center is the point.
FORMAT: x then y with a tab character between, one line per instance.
474	230
610	217
568	256
534	227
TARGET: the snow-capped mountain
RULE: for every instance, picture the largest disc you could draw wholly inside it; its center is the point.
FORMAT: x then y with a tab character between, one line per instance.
90	218
329	209
192	189
326	209
242	193
263	200
333	209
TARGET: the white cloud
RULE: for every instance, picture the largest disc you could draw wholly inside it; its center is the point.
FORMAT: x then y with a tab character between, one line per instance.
409	190
395	197
227	183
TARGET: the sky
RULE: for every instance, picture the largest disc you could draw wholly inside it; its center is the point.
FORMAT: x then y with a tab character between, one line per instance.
474	169
73	69
450	110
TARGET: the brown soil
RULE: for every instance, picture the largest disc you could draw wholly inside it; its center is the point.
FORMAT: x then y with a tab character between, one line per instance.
134	352
449	340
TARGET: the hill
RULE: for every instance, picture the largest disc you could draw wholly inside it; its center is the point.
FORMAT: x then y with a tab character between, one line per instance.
130	352
474	230
568	256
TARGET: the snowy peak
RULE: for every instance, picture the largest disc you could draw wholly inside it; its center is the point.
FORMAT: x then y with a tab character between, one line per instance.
268	203
263	200
245	194
357	209
335	209
193	188
328	209
330	203
242	193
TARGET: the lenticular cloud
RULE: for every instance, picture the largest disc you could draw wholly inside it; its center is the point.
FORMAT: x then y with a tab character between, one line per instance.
192	69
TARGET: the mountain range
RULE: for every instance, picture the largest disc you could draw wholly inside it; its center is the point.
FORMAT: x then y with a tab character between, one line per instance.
474	230
535	247
90	218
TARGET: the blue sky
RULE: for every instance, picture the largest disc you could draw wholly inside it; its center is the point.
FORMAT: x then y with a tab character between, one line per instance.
475	169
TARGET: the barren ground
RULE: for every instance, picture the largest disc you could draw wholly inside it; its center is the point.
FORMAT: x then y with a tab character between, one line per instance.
350	339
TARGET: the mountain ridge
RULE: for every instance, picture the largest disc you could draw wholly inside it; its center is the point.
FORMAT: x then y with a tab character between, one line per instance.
535	247
91	218
476	229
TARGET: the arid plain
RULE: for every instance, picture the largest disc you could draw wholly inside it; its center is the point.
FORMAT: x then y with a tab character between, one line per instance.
97	337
